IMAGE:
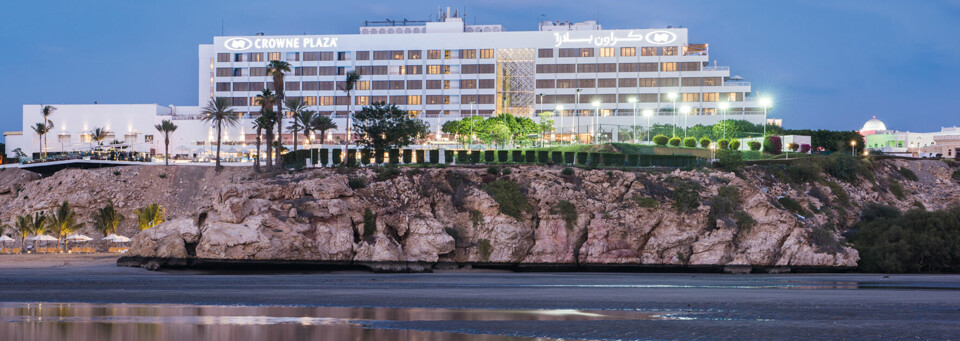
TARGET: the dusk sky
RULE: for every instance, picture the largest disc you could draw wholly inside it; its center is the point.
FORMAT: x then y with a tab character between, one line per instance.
827	64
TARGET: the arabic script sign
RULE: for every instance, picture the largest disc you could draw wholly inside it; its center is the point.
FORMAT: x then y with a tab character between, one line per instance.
611	39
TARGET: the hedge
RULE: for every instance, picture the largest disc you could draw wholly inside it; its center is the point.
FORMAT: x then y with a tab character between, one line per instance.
503	156
633	160
531	156
488	156
448	156
543	156
407	156
517	156
394	156
323	156
568	157
420	156
582	158
475	156
462	157
351	157
365	156
337	156
556	157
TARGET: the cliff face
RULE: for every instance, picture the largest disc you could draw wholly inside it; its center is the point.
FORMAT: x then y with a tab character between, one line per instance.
449	214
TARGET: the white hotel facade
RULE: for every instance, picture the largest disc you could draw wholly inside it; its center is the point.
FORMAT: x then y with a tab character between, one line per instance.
438	71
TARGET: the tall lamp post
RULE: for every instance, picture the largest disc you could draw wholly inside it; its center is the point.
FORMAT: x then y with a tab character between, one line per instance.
647	113
576	114
685	110
596	120
853	148
560	112
765	102
723	110
634	101
471	125
673	97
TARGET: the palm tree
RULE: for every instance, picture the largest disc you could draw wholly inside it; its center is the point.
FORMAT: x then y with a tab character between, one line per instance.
219	112
295	106
38	228
166	127
23	226
41	129
99	134
63	222
322	123
47	110
263	122
107	219
276	68
267	99
149	216
305	121
347	86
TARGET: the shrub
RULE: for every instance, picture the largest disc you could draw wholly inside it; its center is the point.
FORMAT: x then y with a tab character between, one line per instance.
369	223
567	211
485	249
804	148
838	192
116	172
567	171
387	172
793	146
916	241
517	156
503	156
493	170
531	156
356	183
744	221
686	194
488	156
163	175
705	142
581	158
324	156
434	156
646	202
337	156
508	196
633	160
394	156
734	144
896	189
908	174
421	155
475	156
842	166
661	140
956	175
754	145
723	144
690	142
824	239
802	172
793	206
556	157
378	156
463	157
675	141
773	145
543	156
568	157
729	160
448	156
365	156
506	170
351	157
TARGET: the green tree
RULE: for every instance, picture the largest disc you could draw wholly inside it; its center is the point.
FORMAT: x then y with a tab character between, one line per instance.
41	129
23	226
63	222
39	227
266	99
219	113
99	134
322	124
107	219
276	69
149	216
166	127
384	126
349	83
296	107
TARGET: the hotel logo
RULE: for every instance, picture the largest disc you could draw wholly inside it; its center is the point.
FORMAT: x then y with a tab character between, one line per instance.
661	37
237	44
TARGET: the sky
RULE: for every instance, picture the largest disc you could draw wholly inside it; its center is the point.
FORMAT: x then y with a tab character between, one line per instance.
826	64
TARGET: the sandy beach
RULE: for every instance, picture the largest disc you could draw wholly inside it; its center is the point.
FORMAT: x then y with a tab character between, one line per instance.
56	260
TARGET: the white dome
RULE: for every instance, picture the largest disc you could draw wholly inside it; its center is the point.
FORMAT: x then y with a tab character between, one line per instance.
874	125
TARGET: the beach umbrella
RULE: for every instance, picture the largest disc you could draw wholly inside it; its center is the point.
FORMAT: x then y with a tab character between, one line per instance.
184	148
199	151
4	239
122	239
232	150
111	237
42	238
78	238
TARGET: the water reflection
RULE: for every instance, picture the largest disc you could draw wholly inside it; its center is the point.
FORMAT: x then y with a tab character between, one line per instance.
85	321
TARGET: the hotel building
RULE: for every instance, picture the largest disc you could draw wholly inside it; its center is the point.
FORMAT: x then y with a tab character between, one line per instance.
438	71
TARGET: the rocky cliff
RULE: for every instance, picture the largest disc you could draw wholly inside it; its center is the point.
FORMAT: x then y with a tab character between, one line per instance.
533	215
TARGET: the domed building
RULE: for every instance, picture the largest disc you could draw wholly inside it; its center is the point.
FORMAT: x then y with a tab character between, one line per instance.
873	126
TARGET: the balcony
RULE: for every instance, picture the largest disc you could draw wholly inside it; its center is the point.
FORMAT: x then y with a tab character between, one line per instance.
715	68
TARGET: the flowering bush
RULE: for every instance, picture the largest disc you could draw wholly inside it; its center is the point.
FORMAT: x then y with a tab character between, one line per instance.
793	146
773	145
804	148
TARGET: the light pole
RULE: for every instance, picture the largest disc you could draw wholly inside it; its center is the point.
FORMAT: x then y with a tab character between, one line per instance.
765	102
576	113
596	119
540	116
560	112
853	148
647	113
685	110
634	101
673	97
471	125
723	110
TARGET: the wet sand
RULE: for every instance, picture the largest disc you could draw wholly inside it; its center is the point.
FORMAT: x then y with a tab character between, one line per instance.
705	306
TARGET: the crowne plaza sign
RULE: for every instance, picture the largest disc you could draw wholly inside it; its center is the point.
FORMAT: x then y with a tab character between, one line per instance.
240	44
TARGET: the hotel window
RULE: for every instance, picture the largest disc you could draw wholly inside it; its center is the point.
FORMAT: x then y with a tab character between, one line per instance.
223	57
669	82
398	70
434	84
711	81
566	83
435	99
586	83
447	69
86	138
65	138
649	51
566	68
224	72
695	97
628	51
381	55
381	85
486	68
146	138
486	53
670	51
669	66
545	53
414	54
628	82
363	55
326	56
311	86
734	96
309	71
607	52
254	57
341	100
414	69
433	69
363	85
396	55
468	54
399	100
327	71
569	52
378	99
648	82
446	85
690	66
690	81
468	69
362	100
711	97
325	100
273	56
380	70
414	84
223	86
292	86
310	100
341	70
544	84
607	67
647	67
544	68
364	70
238	57
486	84
397	85
341	56
238	72
433	54
451	54
293	56
647	98
468	84
414	100
239	101
628	67
586	68
258	71
311	56
607	83
586	52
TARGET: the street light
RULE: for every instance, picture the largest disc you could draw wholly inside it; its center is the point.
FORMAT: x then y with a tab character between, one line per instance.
634	101
765	102
560	112
853	148
471	126
685	110
647	113
723	110
673	97
576	113
596	120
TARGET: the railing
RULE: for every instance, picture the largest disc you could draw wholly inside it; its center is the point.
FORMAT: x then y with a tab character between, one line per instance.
737	83
715	68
